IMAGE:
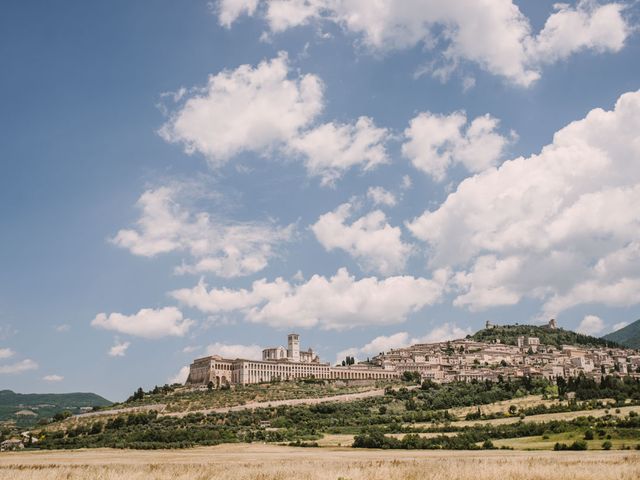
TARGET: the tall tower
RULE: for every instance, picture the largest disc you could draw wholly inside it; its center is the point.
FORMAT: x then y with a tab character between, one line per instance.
293	350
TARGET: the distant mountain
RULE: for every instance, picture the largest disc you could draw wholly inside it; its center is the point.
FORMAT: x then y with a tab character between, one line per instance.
508	334
628	336
26	409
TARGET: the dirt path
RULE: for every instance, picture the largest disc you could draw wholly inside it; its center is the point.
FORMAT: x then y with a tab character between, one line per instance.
158	407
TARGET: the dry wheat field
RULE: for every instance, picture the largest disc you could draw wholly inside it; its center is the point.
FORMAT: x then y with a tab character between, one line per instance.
268	462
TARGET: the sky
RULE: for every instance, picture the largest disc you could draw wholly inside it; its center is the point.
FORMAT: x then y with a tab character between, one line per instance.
181	179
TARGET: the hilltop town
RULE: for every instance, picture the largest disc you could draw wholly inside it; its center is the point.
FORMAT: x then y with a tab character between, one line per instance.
463	360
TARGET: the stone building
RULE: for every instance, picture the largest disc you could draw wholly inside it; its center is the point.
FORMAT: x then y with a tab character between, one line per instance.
278	364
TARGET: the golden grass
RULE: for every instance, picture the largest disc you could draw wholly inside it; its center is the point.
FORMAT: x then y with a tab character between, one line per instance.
547	417
503	406
268	462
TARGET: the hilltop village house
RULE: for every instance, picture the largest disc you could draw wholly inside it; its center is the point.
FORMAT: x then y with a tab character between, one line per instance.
455	360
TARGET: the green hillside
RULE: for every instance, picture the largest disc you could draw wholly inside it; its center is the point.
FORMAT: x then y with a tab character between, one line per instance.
628	336
508	334
26	409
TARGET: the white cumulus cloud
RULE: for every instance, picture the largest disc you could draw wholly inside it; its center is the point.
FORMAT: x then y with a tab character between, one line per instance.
495	35
216	245
6	353
18	367
381	196
435	142
119	349
180	377
590	325
618	326
230	10
53	378
268	110
376	245
588	26
338	302
147	323
331	149
246	109
560	226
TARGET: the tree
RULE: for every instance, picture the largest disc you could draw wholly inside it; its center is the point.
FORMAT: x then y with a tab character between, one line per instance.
488	444
62	415
139	394
210	385
408	376
606	445
562	386
348	361
588	435
449	350
96	428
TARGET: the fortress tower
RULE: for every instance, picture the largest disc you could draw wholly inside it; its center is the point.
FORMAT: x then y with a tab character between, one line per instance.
293	347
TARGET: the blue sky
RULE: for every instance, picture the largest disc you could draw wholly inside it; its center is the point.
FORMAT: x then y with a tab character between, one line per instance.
203	177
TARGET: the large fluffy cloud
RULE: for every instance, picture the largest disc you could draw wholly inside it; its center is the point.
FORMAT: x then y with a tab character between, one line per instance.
434	142
147	323
376	245
561	226
217	245
246	109
494	34
266	109
589	26
338	302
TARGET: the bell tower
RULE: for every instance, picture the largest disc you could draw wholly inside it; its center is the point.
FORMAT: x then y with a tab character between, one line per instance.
293	344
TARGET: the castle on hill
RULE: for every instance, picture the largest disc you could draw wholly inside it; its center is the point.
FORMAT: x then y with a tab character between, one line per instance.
455	360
